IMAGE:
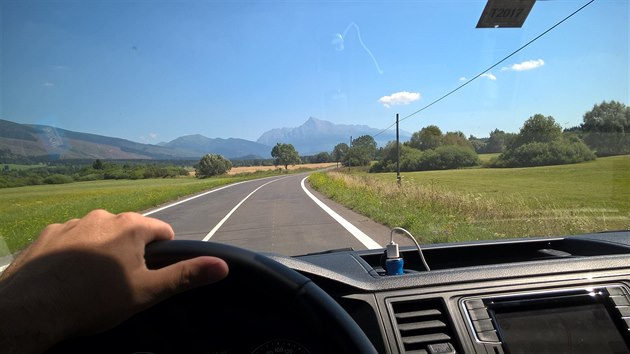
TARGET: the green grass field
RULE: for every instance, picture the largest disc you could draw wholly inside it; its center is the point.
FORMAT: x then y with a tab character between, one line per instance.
481	203
484	158
25	211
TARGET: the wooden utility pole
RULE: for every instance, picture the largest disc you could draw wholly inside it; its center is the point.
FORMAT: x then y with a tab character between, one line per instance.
397	152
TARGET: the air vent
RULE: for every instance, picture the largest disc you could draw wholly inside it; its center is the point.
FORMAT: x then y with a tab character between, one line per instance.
424	327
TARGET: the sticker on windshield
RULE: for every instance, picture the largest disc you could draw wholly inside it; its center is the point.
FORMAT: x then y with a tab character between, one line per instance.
505	13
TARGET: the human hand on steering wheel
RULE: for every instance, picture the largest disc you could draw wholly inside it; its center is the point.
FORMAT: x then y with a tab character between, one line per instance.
88	275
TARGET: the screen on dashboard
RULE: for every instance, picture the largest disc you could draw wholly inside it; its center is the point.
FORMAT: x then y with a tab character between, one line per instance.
578	328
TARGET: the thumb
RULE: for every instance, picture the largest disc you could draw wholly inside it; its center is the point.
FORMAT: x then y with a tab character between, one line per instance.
184	275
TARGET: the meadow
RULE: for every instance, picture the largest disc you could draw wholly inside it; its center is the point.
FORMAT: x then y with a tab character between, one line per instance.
485	203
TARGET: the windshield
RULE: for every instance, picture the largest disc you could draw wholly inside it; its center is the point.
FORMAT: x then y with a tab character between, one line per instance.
272	125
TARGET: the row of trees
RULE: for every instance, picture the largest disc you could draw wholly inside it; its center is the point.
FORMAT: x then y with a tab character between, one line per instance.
429	149
78	172
495	143
541	141
213	165
606	128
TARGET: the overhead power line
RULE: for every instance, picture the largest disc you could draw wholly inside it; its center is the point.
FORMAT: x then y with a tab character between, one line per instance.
488	69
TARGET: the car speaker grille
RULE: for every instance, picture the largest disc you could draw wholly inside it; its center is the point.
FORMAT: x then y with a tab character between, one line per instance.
424	326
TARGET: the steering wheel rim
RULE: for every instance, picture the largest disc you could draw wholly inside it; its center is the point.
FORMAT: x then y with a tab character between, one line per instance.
247	266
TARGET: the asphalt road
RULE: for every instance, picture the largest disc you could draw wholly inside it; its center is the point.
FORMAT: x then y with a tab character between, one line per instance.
274	215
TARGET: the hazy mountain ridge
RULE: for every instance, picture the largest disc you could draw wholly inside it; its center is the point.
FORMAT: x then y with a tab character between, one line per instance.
41	140
314	136
231	147
317	135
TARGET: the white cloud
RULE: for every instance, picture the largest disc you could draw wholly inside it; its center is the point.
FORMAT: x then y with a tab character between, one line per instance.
463	79
397	98
489	76
48	84
526	65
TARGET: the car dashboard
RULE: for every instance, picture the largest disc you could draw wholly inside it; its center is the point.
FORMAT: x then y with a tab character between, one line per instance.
566	294
535	295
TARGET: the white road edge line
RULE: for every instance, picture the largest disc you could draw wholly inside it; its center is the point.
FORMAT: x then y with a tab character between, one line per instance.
3	267
193	197
358	234
216	228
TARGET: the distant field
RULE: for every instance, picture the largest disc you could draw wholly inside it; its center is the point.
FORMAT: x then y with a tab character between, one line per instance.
468	204
487	157
248	169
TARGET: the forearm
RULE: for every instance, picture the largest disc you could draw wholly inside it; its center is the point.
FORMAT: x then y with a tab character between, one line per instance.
27	322
23	329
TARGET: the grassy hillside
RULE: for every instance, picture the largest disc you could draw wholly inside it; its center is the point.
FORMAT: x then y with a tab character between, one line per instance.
40	141
469	204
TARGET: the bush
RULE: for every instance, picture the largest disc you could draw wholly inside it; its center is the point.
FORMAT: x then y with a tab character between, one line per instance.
542	154
58	179
411	159
408	158
90	177
448	157
212	165
608	143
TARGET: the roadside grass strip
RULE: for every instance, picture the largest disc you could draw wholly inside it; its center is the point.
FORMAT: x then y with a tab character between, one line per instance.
484	203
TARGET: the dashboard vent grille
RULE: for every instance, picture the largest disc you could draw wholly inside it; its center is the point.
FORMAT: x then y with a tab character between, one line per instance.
424	323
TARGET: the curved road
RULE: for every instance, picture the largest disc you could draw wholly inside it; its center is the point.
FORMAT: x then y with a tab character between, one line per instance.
276	215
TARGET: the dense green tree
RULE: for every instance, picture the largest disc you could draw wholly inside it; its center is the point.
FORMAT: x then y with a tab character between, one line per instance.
362	151
456	138
606	128
607	117
540	142
497	141
339	152
212	165
478	144
322	157
285	155
389	156
97	165
367	143
427	138
537	129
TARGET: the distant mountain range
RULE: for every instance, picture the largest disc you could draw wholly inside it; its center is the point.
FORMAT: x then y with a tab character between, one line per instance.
317	135
314	136
199	145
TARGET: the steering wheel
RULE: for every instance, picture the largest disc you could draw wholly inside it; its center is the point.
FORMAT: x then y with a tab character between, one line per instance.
262	305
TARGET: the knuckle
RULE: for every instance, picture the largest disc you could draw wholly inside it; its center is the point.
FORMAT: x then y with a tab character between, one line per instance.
99	213
127	217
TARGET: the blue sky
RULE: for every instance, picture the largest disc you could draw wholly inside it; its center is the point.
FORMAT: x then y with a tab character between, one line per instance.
153	71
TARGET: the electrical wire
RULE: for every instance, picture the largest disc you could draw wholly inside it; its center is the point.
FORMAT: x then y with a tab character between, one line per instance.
485	71
405	232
